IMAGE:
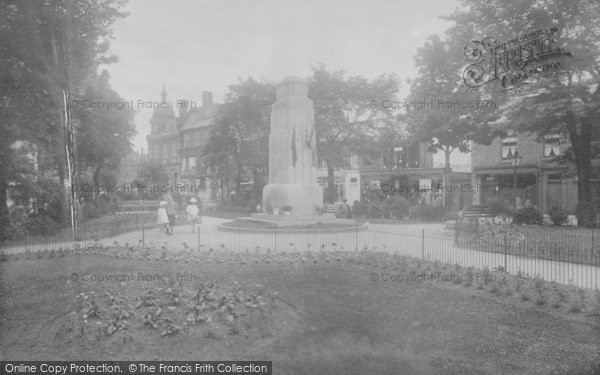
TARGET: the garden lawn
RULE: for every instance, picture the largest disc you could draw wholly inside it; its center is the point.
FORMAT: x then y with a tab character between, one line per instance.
309	314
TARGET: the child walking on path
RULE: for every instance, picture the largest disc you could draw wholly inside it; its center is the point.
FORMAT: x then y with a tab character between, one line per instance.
193	213
162	217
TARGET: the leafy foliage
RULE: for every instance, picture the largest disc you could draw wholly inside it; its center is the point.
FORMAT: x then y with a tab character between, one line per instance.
399	207
427	212
499	207
238	143
586	214
558	215
529	215
345	122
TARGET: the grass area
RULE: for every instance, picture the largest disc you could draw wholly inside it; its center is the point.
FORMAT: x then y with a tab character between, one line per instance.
568	244
309	313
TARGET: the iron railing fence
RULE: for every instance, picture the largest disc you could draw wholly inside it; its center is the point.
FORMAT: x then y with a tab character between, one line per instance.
566	256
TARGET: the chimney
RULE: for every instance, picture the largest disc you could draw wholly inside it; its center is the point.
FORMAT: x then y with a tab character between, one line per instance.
183	108
207	101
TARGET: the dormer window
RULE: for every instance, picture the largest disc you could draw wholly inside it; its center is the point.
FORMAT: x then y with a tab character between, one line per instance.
510	145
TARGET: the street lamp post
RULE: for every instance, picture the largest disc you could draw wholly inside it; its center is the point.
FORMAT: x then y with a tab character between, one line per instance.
516	160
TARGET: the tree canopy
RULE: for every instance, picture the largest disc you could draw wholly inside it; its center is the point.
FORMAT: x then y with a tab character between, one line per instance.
49	48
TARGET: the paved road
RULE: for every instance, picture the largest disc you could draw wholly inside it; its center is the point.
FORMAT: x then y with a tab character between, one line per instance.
428	241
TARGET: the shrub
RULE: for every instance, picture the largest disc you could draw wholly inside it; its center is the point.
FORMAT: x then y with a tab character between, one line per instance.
358	209
386	209
16	228
427	212
467	227
586	215
399	207
529	215
374	210
251	207
499	207
41	225
558	215
91	210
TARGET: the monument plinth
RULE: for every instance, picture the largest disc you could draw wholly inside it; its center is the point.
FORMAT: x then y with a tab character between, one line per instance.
293	151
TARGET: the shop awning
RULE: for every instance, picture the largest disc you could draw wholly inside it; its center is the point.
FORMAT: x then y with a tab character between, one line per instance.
508	169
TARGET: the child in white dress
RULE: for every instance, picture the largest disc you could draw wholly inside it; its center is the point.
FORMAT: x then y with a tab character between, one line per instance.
162	217
192	212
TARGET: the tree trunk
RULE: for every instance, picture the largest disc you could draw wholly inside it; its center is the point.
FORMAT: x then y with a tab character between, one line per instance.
62	213
3	188
238	180
582	149
584	163
96	178
330	193
257	186
445	179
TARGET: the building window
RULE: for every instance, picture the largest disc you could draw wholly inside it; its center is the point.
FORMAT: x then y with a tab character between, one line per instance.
509	145
595	149
552	145
165	152
192	164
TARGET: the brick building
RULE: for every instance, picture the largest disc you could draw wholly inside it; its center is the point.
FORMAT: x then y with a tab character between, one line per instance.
406	169
177	141
519	165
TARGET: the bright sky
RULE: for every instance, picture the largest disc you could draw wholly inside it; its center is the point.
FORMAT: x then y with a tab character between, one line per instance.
206	45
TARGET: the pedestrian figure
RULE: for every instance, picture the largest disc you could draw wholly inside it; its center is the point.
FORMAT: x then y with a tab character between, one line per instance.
193	213
345	212
162	217
170	210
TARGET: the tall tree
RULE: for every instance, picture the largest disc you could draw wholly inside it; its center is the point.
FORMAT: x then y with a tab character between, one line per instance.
442	110
47	47
105	127
567	103
238	143
343	114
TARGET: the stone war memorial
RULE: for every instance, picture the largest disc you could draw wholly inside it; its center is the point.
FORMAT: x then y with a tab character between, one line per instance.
292	198
292	151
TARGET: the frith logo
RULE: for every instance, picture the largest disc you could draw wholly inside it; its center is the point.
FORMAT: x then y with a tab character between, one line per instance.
513	63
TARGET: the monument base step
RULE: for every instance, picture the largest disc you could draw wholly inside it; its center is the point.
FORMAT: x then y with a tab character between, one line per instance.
296	220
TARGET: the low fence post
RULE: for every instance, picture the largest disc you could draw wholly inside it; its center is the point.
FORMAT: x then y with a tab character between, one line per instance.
356	236
592	249
423	243
505	250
